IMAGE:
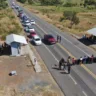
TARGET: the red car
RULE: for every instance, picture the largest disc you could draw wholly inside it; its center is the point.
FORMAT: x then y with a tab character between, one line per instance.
32	34
20	14
49	39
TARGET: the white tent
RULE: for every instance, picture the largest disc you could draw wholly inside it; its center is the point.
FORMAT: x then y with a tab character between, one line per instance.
92	31
15	38
15	42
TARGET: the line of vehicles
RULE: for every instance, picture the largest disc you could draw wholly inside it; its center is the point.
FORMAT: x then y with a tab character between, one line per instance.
30	31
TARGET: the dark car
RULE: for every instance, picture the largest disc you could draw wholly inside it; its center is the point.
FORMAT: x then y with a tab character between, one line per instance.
20	14
49	39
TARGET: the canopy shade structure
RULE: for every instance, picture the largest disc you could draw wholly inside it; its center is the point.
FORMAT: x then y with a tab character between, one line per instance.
92	31
15	38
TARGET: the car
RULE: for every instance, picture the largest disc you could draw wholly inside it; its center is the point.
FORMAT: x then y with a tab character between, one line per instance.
32	22
26	23
36	40
29	29
20	14
49	39
24	17
16	7
13	3
32	34
20	10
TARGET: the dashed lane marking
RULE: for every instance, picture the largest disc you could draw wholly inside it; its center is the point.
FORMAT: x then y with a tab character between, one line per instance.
84	93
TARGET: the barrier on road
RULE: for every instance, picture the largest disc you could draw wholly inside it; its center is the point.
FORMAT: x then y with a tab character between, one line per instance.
37	67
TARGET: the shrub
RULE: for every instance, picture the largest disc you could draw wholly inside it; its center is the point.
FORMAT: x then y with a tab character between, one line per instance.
30	1
71	15
22	1
61	19
3	4
90	7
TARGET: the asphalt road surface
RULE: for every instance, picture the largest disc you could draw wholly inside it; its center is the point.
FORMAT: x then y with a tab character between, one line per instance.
82	80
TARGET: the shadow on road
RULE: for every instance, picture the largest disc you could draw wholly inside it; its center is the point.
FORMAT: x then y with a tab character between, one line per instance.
64	72
46	43
87	42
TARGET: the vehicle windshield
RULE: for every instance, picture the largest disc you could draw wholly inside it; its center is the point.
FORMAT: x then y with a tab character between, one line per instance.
33	33
27	21
37	39
32	21
50	36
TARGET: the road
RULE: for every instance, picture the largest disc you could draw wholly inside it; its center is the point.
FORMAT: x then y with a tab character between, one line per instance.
82	80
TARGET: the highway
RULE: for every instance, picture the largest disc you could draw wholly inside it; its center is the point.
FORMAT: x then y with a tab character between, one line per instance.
82	80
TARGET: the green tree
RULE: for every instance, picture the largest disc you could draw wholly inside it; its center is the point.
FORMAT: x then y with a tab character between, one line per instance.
90	2
50	2
30	1
72	16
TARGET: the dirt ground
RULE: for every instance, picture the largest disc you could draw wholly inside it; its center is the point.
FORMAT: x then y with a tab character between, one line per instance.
27	82
20	64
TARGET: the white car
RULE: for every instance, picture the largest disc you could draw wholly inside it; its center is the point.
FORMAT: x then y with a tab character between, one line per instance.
36	40
29	29
27	23
32	22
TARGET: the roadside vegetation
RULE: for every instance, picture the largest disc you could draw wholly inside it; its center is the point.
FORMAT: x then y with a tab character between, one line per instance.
81	14
8	21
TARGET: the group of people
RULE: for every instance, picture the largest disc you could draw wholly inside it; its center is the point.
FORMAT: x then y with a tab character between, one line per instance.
65	64
72	61
84	60
5	49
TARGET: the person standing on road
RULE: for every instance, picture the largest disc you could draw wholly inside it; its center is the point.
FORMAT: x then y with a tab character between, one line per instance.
63	63
60	39
69	60
92	58
73	61
60	63
57	38
69	69
81	59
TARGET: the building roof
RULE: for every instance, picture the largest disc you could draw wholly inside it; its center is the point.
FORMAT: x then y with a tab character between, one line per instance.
92	31
15	38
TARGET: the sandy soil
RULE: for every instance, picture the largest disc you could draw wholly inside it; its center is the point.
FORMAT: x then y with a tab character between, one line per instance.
27	82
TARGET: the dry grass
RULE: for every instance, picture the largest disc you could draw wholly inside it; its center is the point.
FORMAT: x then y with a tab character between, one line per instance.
5	91
52	14
9	23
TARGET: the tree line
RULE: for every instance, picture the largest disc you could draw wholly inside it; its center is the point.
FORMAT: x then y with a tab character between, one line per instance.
67	3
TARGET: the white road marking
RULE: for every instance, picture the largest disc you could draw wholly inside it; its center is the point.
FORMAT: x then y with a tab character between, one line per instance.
84	93
51	53
41	29
72	79
58	61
